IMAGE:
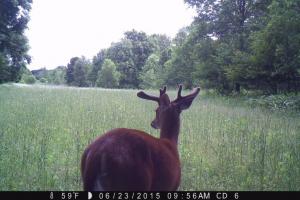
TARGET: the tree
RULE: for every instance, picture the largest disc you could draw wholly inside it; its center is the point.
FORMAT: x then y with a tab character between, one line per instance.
70	71
130	56
40	73
5	71
180	37
27	77
230	24
14	16
230	20
81	68
183	61
276	48
108	76
56	76
96	67
141	48
121	54
152	75
161	46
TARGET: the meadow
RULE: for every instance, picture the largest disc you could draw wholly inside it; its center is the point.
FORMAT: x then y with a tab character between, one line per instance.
223	145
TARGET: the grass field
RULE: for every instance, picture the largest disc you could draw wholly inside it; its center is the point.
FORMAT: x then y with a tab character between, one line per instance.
44	130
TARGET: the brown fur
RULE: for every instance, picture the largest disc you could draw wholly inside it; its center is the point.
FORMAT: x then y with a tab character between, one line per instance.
133	161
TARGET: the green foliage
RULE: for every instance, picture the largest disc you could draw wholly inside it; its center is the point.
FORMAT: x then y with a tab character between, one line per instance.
70	71
55	76
108	76
4	70
251	45
81	68
40	73
219	42
182	66
152	73
276	47
27	76
130	55
14	16
43	80
96	67
281	102
181	36
162	47
28	79
121	54
149	79
77	72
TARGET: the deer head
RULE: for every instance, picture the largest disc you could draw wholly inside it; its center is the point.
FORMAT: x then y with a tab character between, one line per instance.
168	112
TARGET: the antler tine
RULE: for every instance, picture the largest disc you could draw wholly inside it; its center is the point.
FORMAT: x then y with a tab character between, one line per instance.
179	92
143	95
193	93
162	91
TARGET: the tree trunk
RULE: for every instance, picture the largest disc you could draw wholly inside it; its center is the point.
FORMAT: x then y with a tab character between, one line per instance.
237	88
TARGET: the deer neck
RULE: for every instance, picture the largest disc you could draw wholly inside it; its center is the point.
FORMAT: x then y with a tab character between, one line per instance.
170	128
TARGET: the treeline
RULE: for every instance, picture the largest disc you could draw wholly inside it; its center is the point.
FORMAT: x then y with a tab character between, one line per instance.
137	61
54	76
230	46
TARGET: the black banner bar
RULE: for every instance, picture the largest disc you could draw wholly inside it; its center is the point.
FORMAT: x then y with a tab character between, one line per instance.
180	195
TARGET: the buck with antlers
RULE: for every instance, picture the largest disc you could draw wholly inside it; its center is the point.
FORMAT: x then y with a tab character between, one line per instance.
132	160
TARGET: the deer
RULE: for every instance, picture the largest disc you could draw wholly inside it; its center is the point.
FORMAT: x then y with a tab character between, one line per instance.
132	160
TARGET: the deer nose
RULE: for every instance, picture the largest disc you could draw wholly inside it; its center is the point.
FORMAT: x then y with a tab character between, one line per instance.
153	124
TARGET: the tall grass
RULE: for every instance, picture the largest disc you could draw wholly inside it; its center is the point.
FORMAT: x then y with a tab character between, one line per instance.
44	130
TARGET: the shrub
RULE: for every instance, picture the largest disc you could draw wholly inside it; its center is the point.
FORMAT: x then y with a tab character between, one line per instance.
28	79
277	102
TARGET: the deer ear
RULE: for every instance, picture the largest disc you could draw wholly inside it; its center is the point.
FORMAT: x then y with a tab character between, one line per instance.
184	103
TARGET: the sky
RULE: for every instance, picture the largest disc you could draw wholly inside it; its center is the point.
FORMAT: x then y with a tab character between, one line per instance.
61	29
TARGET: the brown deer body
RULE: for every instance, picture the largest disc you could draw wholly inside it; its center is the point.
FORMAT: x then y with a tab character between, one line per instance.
132	160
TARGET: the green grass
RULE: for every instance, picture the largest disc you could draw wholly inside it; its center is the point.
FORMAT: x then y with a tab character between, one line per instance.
44	130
